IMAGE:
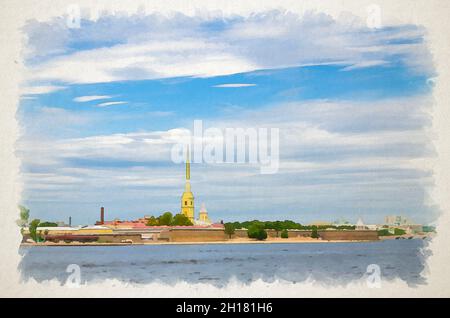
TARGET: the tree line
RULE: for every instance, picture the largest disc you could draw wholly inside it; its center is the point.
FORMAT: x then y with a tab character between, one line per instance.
257	229
167	218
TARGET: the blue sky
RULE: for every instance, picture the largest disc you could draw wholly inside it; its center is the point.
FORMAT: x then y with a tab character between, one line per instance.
102	104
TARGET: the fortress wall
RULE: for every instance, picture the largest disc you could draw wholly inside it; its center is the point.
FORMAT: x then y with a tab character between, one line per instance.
364	235
118	238
164	236
196	235
272	233
239	233
296	233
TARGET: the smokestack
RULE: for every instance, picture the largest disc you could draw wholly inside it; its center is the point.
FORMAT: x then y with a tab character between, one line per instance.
70	221
102	215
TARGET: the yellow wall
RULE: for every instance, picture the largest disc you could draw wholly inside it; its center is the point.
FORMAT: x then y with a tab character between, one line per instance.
57	232
94	231
78	231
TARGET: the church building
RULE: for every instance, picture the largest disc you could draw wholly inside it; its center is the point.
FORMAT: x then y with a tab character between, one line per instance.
187	200
203	217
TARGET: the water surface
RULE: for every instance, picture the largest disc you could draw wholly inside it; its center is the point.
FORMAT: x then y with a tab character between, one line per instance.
328	263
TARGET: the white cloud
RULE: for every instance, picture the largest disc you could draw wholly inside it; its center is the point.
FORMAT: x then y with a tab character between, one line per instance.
148	60
44	89
178	47
365	64
234	85
306	131
82	99
111	103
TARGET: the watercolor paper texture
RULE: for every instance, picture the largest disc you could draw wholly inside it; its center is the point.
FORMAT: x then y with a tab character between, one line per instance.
221	148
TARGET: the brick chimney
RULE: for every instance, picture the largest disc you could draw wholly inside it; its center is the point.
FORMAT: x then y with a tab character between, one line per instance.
102	215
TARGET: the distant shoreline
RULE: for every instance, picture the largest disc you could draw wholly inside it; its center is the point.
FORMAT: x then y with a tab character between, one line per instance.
199	243
232	241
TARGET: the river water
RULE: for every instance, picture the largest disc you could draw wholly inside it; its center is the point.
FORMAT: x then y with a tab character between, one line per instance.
329	263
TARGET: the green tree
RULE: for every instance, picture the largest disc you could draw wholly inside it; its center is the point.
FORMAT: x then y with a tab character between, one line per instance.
229	229
384	232
152	221
180	219
48	224
257	231
251	231
344	227
314	233
166	218
24	216
399	231
284	234
287	224
32	228
261	235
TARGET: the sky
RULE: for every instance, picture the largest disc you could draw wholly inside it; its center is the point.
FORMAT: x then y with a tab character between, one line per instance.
103	104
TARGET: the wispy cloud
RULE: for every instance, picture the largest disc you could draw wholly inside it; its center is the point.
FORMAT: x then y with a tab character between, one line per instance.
111	104
365	64
178	47
145	60
233	85
82	99
37	90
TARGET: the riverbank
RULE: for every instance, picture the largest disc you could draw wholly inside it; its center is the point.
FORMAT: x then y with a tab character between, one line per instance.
231	241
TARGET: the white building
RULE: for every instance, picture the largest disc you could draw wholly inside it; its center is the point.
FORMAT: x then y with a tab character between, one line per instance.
360	225
203	218
396	220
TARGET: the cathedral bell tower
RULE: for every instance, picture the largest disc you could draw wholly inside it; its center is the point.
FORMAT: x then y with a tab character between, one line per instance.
187	199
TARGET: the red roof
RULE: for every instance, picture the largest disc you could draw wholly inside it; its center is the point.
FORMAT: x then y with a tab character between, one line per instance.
140	225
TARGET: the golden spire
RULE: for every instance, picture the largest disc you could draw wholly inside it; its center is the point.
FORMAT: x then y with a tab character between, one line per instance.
187	199
188	165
